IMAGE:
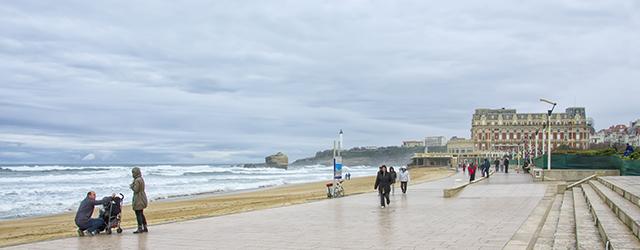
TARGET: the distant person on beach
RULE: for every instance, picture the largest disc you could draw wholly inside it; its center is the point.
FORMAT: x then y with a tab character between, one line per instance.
85	211
404	179
139	200
472	171
394	177
506	165
383	182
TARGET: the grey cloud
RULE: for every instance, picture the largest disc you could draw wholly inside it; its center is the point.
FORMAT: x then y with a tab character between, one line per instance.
235	80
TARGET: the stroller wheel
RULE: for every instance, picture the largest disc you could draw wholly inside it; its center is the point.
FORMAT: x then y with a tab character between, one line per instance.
119	230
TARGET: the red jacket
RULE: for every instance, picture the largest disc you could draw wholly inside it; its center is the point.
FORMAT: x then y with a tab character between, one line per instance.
472	169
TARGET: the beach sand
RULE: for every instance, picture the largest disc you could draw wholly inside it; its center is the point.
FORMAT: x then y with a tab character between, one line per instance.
19	231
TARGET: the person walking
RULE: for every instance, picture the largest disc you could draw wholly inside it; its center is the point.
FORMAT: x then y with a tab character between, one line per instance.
383	182
464	168
486	165
139	200
404	179
394	177
506	165
472	171
497	164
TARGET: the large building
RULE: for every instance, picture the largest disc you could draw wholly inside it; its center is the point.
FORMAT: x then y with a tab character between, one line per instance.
509	131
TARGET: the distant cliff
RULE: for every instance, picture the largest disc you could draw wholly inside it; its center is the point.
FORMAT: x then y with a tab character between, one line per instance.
363	156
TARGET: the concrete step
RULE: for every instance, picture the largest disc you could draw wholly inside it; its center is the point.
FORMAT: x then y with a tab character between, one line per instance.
565	235
626	211
611	229
547	233
587	235
626	186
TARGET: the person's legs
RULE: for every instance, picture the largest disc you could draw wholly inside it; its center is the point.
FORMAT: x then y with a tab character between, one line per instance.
386	195
403	185
140	220
506	168
95	225
381	194
144	221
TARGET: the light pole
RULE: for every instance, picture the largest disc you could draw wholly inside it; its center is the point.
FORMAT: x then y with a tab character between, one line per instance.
549	130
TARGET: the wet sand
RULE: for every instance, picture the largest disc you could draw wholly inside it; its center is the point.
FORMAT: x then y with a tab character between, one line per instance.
26	230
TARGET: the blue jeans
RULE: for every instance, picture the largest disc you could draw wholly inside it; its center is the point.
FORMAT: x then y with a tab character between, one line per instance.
95	225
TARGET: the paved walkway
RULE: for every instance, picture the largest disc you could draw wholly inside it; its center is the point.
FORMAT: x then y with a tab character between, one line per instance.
483	216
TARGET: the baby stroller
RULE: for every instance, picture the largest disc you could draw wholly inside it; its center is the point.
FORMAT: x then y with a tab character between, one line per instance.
111	213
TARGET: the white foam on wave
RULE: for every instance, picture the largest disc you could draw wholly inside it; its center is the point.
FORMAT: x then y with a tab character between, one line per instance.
41	190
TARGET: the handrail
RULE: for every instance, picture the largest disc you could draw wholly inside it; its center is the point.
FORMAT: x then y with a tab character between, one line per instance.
581	181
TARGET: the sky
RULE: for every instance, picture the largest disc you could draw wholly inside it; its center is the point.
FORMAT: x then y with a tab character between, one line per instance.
233	81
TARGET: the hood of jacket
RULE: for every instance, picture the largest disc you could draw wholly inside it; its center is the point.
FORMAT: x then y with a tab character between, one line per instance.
136	172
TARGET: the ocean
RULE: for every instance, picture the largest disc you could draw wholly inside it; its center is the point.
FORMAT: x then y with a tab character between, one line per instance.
50	189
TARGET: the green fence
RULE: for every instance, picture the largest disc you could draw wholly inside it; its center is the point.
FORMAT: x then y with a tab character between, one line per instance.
575	161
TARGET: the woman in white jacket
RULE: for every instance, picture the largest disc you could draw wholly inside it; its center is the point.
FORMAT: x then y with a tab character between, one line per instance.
404	179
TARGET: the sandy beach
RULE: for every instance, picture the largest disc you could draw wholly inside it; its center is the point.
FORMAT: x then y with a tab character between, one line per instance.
26	230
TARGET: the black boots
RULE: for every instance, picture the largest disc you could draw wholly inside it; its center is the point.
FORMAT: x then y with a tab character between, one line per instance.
141	229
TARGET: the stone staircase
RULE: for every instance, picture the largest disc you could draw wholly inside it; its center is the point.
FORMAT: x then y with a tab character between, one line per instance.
602	213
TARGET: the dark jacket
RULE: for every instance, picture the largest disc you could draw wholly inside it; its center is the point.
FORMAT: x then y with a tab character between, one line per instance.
383	181
506	162
85	210
394	176
496	162
137	186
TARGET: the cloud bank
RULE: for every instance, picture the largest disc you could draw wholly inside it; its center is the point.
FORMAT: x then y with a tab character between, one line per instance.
229	81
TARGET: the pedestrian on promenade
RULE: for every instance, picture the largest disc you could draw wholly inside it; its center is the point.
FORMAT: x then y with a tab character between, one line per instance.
394	177
404	179
501	164
497	164
139	200
383	182
472	171
464	168
506	165
486	165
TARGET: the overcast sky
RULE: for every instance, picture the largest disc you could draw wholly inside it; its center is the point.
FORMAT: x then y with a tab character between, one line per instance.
233	81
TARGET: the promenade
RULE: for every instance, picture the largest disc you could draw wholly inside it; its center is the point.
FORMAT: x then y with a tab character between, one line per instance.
483	216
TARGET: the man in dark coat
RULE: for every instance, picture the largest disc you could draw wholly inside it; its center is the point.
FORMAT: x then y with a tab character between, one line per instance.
83	216
485	167
506	165
383	185
497	164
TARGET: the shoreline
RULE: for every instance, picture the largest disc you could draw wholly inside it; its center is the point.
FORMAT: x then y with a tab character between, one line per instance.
32	229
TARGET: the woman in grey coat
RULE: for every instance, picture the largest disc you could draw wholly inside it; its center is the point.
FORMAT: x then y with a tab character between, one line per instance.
139	200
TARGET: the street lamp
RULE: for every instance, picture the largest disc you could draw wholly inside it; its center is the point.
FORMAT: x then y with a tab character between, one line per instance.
549	130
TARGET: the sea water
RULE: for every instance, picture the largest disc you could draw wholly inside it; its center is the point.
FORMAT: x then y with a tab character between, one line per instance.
49	189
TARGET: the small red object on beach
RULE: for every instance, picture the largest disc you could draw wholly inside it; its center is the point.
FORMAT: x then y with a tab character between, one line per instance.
329	184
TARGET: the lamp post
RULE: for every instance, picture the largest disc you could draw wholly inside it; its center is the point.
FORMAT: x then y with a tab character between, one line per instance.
549	130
